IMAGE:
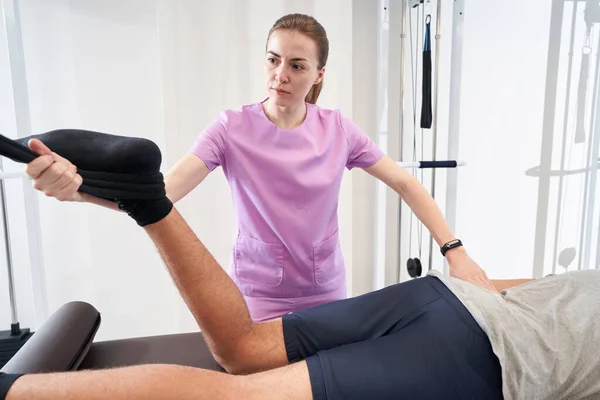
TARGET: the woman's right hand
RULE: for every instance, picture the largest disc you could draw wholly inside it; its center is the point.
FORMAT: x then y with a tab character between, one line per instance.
53	175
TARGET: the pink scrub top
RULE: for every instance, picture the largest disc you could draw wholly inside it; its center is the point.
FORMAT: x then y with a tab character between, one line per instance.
285	185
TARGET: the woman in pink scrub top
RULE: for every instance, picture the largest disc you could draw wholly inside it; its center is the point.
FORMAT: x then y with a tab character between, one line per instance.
284	158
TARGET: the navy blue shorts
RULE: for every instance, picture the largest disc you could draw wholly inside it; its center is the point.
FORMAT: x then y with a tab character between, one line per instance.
6	381
413	340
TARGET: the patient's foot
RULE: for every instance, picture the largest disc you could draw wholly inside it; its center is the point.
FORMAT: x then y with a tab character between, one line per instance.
112	166
125	170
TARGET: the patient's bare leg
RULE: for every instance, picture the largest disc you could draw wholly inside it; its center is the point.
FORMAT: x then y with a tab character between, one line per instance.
151	382
239	344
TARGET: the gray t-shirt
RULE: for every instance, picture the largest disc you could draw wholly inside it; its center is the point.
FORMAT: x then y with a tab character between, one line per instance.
546	333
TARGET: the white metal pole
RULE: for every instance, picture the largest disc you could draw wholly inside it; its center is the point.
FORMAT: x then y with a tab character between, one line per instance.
401	136
7	248
438	37
393	246
12	20
382	130
593	179
454	117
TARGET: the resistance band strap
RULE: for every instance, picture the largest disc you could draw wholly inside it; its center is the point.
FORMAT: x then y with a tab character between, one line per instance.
426	109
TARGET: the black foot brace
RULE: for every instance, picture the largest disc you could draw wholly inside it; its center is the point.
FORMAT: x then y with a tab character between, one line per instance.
112	167
118	168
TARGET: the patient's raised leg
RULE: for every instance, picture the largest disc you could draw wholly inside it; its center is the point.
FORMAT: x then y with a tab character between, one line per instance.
239	344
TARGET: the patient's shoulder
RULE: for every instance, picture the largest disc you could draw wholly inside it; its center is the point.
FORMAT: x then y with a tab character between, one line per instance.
577	283
584	277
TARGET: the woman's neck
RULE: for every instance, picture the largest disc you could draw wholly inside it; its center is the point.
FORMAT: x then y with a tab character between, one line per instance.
285	117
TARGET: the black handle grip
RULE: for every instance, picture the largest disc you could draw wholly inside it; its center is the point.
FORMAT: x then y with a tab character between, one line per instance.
438	164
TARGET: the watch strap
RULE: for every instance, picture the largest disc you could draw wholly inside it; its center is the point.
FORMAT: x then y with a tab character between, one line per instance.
450	245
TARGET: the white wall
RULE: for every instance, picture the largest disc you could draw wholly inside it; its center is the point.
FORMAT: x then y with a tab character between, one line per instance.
161	70
6	114
500	132
507	100
365	25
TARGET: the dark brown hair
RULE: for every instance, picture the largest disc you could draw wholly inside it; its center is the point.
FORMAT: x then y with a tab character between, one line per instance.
310	27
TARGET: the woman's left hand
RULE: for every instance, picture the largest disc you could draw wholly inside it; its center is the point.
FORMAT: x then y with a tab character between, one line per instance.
463	267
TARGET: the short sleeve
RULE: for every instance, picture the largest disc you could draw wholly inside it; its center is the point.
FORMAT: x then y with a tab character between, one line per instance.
362	151
209	146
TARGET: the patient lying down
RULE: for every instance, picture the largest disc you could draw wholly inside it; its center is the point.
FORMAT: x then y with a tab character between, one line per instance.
430	338
434	337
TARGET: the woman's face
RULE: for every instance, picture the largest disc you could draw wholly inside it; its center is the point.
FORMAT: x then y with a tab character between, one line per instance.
291	67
